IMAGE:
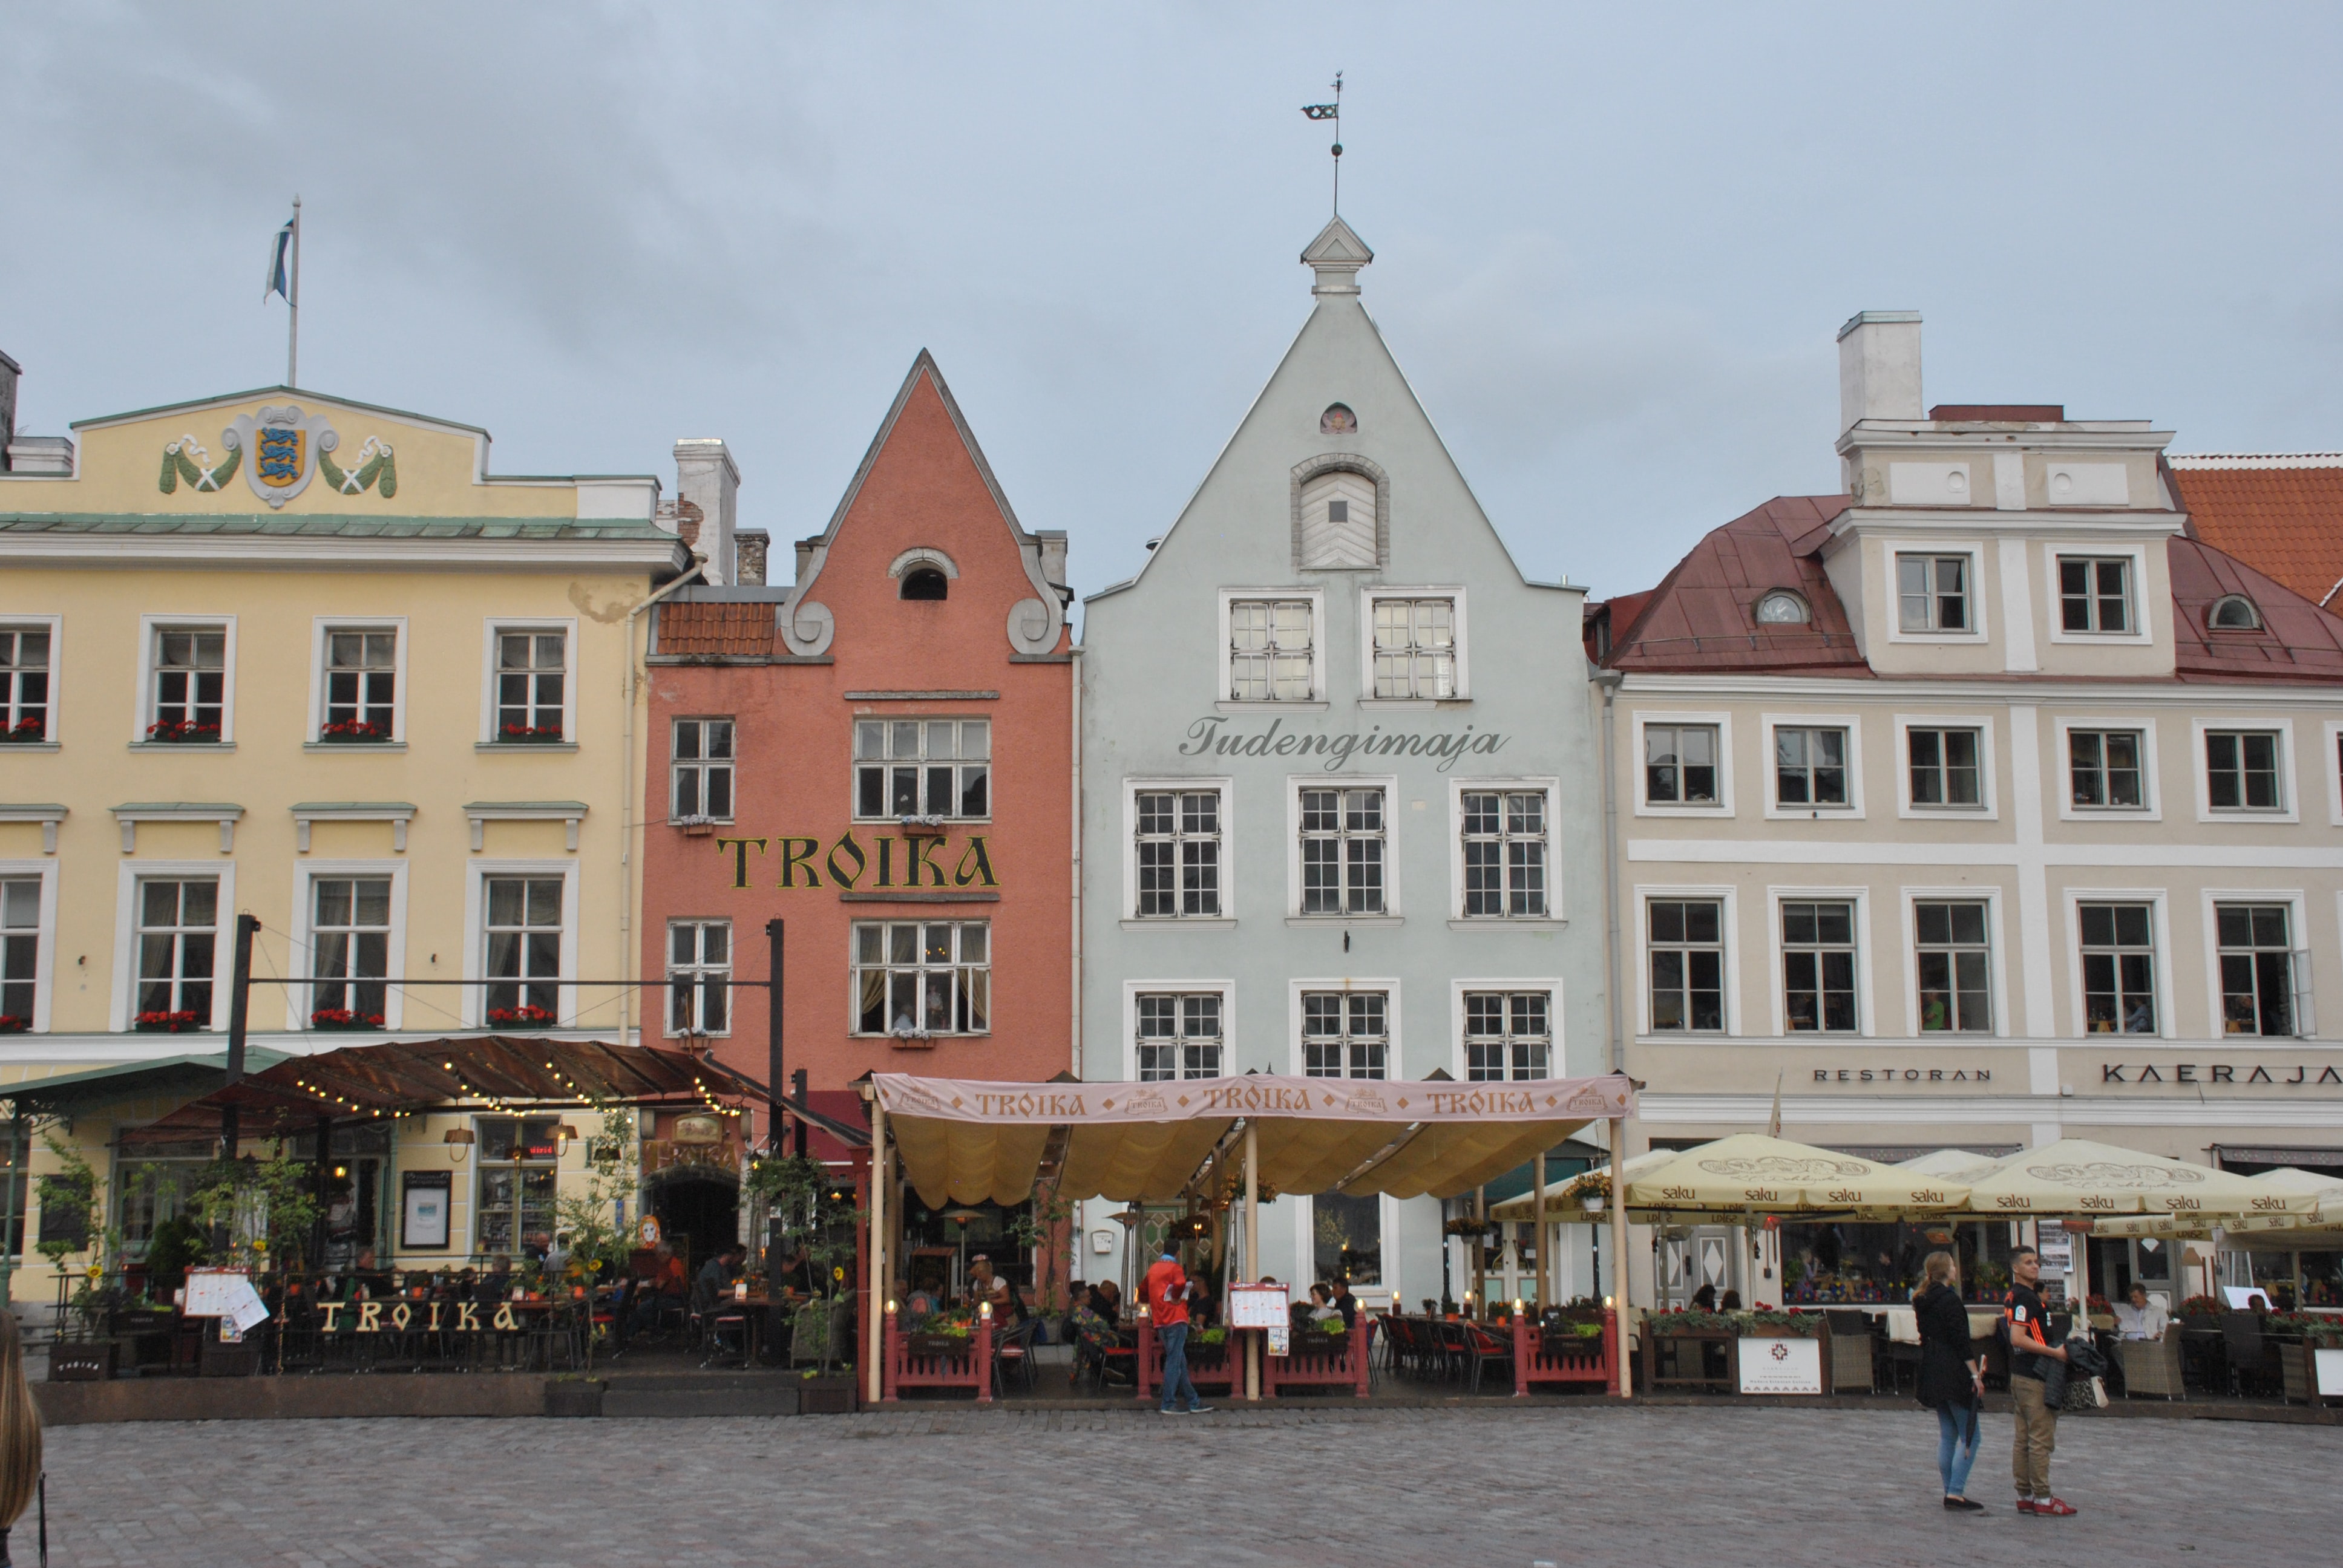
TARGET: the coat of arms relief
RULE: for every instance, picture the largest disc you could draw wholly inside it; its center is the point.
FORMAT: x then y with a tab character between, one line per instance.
279	451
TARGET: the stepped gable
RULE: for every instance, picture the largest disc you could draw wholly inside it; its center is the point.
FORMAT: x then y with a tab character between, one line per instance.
1703	614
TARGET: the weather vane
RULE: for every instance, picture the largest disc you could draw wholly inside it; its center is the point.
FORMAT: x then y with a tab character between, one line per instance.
1333	112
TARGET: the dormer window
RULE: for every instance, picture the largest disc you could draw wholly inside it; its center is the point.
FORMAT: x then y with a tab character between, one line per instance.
1782	607
1338	520
924	582
2095	595
2234	612
1932	592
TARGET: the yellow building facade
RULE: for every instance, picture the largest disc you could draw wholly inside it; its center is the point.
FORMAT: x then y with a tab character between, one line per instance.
309	659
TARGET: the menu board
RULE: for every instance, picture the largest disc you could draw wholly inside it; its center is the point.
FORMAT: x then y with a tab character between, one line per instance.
227	1294
1781	1365
1258	1307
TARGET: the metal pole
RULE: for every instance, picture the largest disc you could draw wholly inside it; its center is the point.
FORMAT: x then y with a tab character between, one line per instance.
292	301
19	1150
1537	1231
318	1182
881	1276
1619	1251
797	1094
1252	1251
239	1009
774	1081
1480	1252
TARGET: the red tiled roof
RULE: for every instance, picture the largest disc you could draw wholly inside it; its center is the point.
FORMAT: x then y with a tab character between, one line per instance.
1703	614
2285	521
725	630
2297	640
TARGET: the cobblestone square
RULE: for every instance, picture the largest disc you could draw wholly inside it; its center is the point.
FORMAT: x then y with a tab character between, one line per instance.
1572	1484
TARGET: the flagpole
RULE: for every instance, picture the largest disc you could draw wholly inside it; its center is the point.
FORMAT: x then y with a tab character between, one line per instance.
292	327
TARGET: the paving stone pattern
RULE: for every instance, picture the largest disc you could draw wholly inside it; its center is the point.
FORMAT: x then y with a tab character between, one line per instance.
1574	1484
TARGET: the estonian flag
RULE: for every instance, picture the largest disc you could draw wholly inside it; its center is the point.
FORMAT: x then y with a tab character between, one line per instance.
277	253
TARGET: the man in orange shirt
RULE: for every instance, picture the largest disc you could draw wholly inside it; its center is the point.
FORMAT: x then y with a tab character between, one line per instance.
1167	1302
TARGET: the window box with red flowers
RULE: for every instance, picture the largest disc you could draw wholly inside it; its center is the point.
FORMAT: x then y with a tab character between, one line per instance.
528	1015
12	1024
178	732
29	730
344	1018
529	735
166	1022
354	732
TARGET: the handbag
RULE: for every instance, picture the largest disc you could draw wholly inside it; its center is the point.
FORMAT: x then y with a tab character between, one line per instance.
2085	1394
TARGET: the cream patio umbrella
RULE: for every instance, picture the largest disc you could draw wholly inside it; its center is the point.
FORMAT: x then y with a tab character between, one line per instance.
1950	1164
2076	1177
1750	1173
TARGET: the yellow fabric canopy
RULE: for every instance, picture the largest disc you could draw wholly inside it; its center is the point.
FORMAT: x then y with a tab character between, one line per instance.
965	1141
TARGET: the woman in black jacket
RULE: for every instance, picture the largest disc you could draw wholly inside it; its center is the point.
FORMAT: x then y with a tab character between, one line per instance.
1951	1378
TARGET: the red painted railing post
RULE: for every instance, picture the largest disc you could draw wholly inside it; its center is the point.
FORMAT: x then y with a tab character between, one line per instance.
1611	1349
1520	1354
984	1358
1362	1346
1149	1361
891	1358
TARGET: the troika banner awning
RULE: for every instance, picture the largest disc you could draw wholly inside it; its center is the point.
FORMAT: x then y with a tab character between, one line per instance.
967	1141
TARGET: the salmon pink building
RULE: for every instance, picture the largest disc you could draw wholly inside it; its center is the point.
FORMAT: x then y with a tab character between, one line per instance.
879	757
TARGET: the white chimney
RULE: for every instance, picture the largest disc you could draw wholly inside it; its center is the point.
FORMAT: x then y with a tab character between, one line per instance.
705	475
1879	367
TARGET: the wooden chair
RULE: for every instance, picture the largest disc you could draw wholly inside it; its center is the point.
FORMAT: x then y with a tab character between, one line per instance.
1483	1348
2241	1342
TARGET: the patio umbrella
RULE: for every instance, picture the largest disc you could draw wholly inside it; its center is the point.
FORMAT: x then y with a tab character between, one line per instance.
1950	1165
1749	1173
2075	1176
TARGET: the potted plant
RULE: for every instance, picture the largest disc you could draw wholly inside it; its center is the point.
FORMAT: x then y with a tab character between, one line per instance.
160	1022
330	1018
180	732
819	1217
12	1023
526	1015
354	732
25	731
530	734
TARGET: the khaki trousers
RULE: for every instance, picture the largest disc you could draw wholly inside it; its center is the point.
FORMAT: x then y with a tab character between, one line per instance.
2038	1434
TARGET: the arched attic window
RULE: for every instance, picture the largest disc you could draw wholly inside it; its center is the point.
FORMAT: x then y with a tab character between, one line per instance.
1338	520
2234	612
925	582
922	572
1782	607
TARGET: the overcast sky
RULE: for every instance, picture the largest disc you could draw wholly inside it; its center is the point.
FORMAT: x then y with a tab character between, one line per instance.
1613	243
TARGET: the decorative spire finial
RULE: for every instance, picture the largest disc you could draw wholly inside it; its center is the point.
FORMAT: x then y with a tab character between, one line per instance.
1333	112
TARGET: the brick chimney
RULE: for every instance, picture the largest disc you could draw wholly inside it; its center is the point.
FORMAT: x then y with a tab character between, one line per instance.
10	371
750	548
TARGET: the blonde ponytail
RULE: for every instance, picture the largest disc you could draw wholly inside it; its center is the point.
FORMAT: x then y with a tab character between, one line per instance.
20	1426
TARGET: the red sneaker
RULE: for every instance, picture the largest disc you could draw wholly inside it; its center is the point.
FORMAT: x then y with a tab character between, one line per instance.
2056	1507
2025	1506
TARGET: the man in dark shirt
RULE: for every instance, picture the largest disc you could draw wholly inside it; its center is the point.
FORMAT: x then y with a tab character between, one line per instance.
2030	1355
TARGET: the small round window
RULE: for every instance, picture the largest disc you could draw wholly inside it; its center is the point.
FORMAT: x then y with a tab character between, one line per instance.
2234	612
1781	609
1338	421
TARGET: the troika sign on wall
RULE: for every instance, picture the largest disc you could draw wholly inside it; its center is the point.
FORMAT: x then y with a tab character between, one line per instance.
849	862
1215	736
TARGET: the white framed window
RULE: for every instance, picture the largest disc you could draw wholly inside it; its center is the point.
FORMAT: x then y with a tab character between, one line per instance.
349	933
699	771
179	937
1683	940
517	1170
182	969
1683	764
1414	646
1935	591
1954	973
1178	1031
28	945
186	681
357	692
1820	968
529	689
2117	948
1506	1031
1345	1029
1343	864
2333	767
1178	835
2106	767
2097	593
2244	770
1815	766
915	979
522	916
1943	765
1273	644
1505	849
699	978
2262	971
922	767
28	686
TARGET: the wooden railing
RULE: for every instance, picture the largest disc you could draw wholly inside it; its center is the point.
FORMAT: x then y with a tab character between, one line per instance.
939	1360
1574	1360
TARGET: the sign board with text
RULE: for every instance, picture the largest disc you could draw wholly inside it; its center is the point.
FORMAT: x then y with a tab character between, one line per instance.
1781	1366
1258	1307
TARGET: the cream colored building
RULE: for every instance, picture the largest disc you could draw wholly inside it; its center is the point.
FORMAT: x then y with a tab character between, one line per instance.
310	659
1976	807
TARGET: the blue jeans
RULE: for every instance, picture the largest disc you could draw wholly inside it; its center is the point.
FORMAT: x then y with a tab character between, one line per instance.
1957	1447
1175	1368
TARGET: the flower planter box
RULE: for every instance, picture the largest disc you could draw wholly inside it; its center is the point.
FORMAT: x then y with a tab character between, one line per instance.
938	1344
514	735
167	1023
220	1360
837	1394
574	1396
370	735
81	1361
